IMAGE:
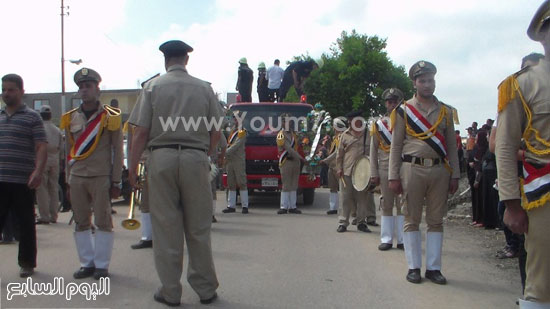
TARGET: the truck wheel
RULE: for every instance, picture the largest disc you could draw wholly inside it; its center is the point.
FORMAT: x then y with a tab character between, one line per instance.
309	195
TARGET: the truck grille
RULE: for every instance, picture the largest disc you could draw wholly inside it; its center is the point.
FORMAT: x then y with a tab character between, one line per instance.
262	167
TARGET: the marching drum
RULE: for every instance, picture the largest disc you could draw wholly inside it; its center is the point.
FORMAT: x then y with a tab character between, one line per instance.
360	175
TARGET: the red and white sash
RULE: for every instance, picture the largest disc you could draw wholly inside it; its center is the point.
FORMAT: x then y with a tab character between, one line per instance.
232	137
384	130
535	184
419	124
88	140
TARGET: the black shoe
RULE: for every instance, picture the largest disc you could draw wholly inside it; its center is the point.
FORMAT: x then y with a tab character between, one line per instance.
214	220
228	210
143	244
294	211
25	272
157	297
101	273
84	272
332	212
400	247
113	212
363	228
209	300
384	247
373	223
245	210
282	211
414	276
41	222
65	210
435	276
341	229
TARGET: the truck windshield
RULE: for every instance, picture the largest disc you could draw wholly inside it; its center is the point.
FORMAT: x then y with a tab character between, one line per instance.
263	122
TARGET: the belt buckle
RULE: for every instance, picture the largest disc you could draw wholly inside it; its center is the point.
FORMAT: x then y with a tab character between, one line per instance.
428	162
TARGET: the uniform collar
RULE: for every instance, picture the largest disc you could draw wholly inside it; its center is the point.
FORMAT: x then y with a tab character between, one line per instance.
176	67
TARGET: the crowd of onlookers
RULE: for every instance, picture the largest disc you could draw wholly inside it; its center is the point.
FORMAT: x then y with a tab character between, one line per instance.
487	210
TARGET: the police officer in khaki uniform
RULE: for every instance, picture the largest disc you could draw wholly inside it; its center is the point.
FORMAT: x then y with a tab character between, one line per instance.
235	167
353	144
47	194
524	114
339	125
289	165
94	166
178	173
424	169
381	136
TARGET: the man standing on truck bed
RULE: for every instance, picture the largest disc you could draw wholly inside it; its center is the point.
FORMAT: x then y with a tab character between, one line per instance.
244	81
289	165
235	166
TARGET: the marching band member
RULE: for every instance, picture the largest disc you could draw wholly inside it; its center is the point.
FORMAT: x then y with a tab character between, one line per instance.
524	113
379	160
235	166
94	168
352	146
339	125
424	168
289	165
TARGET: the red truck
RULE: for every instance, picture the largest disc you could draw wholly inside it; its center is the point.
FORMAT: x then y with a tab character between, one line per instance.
262	161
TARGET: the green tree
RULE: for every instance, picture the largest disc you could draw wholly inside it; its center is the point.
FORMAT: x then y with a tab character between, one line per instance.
355	73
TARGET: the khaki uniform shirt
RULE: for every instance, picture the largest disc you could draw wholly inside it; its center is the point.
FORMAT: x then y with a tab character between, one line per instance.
350	149
379	159
236	151
182	99
292	153
405	144
512	121
333	152
55	143
106	160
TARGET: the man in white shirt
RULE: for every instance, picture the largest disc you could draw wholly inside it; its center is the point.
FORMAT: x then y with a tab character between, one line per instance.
274	79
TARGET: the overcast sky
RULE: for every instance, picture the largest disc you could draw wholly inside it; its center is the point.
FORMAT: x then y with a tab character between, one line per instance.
474	44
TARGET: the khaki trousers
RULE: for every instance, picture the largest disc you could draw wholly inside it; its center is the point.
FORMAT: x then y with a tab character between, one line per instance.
290	174
179	185
333	182
91	194
47	194
356	202
236	175
424	185
389	199
144	205
537	245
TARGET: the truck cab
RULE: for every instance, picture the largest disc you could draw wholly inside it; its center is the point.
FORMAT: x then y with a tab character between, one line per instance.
261	121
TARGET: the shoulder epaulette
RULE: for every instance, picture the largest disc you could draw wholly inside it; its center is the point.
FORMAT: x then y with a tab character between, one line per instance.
507	89
393	115
373	127
114	119
453	111
66	119
280	138
242	133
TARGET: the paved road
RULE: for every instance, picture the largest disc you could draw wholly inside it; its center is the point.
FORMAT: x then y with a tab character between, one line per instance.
265	260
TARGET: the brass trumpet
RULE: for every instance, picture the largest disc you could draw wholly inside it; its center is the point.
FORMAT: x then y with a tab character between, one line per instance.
130	223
